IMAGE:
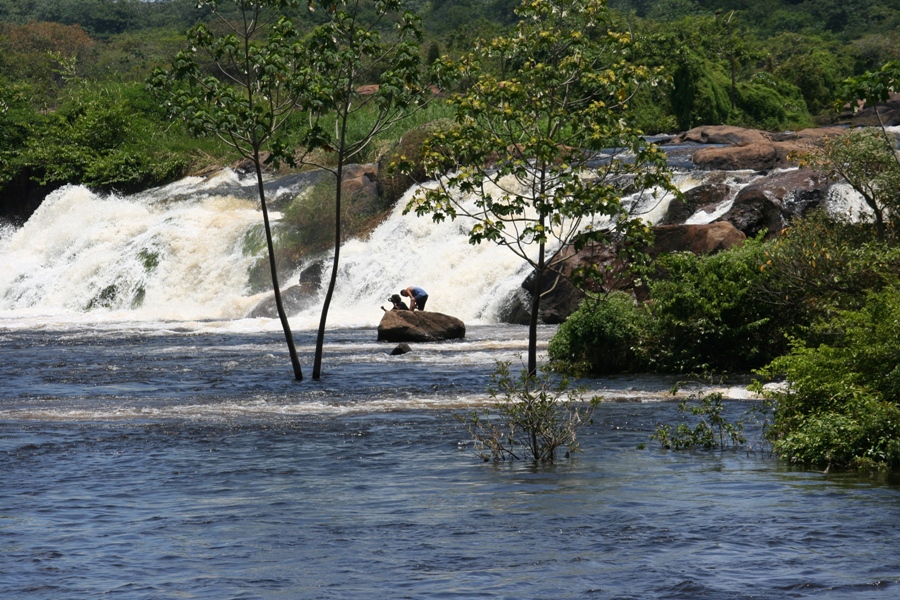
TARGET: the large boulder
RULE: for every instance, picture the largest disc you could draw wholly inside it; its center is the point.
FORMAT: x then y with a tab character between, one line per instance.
294	298
419	326
699	239
722	134
751	149
771	203
758	156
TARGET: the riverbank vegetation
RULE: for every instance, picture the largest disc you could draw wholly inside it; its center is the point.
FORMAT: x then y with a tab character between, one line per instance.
814	310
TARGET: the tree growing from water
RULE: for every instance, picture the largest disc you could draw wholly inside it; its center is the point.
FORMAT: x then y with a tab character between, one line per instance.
543	145
241	81
360	43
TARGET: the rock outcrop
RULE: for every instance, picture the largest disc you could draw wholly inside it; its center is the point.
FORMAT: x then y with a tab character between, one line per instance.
699	239
737	149
771	203
419	326
705	196
294	298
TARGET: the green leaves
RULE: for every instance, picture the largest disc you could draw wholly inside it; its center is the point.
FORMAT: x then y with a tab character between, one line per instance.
871	87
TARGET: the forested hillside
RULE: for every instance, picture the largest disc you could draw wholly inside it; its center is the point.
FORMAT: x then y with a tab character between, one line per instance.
74	106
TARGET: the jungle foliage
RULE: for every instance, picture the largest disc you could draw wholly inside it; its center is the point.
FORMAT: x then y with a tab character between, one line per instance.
816	309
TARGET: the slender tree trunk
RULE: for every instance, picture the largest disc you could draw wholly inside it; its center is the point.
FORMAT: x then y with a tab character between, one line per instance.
285	325
320	336
535	313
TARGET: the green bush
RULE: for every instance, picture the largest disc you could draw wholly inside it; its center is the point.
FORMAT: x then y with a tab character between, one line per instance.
602	336
706	315
772	104
821	265
840	404
99	139
701	93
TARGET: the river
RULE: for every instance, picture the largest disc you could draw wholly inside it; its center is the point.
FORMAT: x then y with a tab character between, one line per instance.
162	449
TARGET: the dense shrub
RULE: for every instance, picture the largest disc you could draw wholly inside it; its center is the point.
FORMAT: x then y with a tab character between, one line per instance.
705	314
603	336
840	404
407	151
821	265
767	103
101	139
701	93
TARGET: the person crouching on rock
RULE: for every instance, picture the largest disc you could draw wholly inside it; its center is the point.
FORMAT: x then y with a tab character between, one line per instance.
417	297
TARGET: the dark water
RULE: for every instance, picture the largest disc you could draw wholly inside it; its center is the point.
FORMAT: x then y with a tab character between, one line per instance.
161	464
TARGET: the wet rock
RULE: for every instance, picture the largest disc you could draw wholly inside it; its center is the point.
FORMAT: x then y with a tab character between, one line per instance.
722	134
402	348
772	202
419	326
295	299
758	156
705	196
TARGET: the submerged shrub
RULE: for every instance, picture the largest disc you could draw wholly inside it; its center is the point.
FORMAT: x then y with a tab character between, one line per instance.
712	431
533	416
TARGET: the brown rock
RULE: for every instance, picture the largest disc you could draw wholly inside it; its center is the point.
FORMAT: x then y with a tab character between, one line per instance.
722	134
699	239
419	326
814	135
772	202
758	156
360	180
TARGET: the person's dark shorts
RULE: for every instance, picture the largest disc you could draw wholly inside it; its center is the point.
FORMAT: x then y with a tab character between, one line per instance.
420	302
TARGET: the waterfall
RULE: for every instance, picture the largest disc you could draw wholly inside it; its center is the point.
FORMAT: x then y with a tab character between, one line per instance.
176	254
127	258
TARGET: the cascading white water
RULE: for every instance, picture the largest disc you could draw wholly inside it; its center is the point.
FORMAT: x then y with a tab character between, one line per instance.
87	257
175	254
468	281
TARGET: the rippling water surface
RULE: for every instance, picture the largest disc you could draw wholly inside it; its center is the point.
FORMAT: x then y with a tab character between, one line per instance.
156	463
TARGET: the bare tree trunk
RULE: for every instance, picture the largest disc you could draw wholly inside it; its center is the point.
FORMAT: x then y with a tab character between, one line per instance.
285	325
